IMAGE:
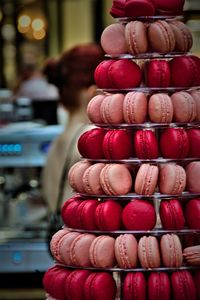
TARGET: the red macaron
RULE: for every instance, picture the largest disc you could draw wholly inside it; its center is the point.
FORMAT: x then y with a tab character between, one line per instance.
157	73
139	215
134	286
169	7
146	144
183	286
117	144
90	143
138	8
194	142
101	74
192	214
171	215
74	285
85	214
68	212
118	8
159	286
174	143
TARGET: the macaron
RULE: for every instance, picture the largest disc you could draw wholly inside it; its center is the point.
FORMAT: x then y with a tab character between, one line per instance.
148	252
126	251
91	179
117	144
157	73
172	179
192	255
171	215
93	109
171	250
68	213
158	286
179	143
193	177
183	286
184	107
196	60
194	142
160	108
161	36
146	144
192	213
118	8
124	74
103	214
100	285
139	215
116	179
135	107
79	249
86	143
101	74
102	252
146	179
54	242
134	286
75	175
74	284
196	96
137	8
136	37
183	36
113	39
66	203
170	7
111	110
85	214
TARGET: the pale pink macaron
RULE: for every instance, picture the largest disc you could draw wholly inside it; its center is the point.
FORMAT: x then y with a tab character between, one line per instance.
75	175
113	39
135	107
126	251
148	252
172	179
146	179
183	36
116	179
79	249
54	248
160	108
91	179
136	37
102	252
196	96
184	107
161	37
171	250
93	109
64	247
193	177
111	109
192	255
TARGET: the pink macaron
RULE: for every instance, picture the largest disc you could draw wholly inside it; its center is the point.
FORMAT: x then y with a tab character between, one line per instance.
172	179
74	284
54	243
183	286
91	179
93	109
157	74
103	214
100	285
135	107
75	175
192	213
111	110
196	96
134	286
160	108
126	251
117	144
146	144
158	286
146	179
137	8
148	252
136	37
179	143
139	215
192	255
193	177
194	142
183	36
171	250
171	215
102	252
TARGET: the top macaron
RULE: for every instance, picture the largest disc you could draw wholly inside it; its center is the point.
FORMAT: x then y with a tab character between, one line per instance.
137	8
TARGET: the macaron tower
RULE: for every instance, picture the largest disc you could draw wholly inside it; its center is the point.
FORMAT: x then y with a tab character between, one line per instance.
132	228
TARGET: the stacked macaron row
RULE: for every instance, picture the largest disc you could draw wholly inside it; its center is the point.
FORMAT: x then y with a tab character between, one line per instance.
137	37
65	284
120	144
122	74
117	179
138	108
138	8
71	248
134	215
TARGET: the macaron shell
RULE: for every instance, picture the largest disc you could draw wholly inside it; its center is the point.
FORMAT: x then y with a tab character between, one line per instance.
148	252
171	215
101	74
118	8
69	213
64	247
91	179
55	241
184	107
171	250
74	285
183	286
183	36
136	37
135	107
157	74
159	286
194	142
146	179
196	96
93	109
193	177
126	251
101	252
160	108
146	144
85	214
100	286
170	6
139	8
192	255
103	214
75	175
192	213
134	286
111	109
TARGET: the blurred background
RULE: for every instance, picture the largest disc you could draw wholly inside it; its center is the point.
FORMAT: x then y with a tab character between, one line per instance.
30	32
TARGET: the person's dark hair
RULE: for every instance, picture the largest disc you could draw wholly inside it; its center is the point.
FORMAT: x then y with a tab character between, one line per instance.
73	71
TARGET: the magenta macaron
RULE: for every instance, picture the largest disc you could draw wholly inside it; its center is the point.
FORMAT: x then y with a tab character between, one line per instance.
134	286
146	144
171	215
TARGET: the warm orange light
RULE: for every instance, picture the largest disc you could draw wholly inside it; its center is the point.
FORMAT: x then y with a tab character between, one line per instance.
39	34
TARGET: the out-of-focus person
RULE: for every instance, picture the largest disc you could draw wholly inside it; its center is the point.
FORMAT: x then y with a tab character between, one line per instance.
73	74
